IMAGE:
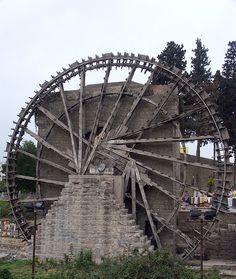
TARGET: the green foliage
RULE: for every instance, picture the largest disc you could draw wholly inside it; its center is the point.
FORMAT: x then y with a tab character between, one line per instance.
200	64
155	265
26	166
229	66
5	274
5	210
172	55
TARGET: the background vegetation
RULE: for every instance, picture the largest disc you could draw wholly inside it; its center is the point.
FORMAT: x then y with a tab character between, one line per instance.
157	265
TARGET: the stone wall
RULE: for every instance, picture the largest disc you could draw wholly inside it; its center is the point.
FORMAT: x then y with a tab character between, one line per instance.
221	243
60	138
88	216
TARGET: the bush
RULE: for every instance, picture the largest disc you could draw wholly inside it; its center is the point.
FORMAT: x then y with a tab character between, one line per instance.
5	210
5	274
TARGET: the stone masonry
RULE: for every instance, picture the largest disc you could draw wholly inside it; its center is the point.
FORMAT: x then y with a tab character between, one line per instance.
88	216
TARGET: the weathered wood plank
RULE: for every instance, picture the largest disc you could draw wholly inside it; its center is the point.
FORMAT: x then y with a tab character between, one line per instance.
48	145
135	103
40	179
80	149
161	140
110	119
146	205
62	93
45	161
163	157
98	112
133	190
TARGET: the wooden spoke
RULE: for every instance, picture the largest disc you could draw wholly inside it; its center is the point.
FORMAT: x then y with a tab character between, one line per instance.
50	163
62	93
80	149
40	200
164	222
40	179
163	157
98	111
110	119
135	103
48	145
60	124
169	119
161	140
147	179
148	211
133	191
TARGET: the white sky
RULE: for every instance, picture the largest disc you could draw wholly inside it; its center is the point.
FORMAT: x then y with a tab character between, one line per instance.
38	38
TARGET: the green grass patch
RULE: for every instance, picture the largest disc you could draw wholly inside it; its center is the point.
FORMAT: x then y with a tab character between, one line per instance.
157	265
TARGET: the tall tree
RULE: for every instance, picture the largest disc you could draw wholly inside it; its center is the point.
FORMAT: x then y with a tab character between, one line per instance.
200	74
172	55
229	66
227	97
26	166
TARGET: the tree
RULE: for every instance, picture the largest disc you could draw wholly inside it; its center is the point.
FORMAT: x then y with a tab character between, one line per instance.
200	74
227	97
200	63
26	166
172	55
229	66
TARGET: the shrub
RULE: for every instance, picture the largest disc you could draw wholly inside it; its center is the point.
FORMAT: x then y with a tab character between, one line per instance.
5	274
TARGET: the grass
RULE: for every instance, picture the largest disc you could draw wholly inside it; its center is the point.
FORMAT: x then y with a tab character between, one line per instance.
5	210
157	265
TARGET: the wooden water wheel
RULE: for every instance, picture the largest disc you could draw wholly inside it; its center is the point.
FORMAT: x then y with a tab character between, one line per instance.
125	127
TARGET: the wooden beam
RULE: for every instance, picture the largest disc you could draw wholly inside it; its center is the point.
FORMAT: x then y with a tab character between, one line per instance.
80	149
98	111
155	125
162	157
45	161
31	178
62	93
147	180
161	140
133	190
165	223
146	205
40	200
110	119
135	103
60	124
48	145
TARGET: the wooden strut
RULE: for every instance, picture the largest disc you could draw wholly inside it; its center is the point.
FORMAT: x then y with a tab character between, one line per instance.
155	125
45	161
148	211
98	112
110	119
135	103
162	157
164	223
62	93
80	149
147	179
159	107
48	145
133	190
39	179
160	140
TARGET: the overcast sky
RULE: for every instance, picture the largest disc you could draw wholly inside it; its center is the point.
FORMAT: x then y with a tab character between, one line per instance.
38	38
